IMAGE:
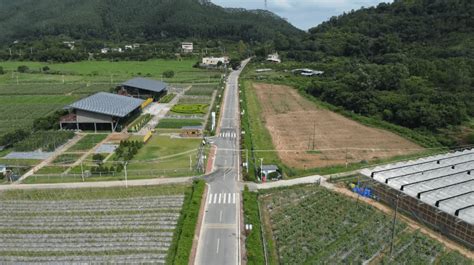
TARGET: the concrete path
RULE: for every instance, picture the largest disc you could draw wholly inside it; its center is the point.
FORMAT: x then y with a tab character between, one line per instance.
101	184
284	183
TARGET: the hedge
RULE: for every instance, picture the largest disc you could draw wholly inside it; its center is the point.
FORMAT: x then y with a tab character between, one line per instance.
182	243
253	241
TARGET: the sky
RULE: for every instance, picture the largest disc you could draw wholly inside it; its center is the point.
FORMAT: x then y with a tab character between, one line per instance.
303	14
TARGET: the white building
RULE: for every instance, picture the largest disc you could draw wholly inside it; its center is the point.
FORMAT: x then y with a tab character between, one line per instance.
274	58
214	61
70	44
104	50
187	47
120	50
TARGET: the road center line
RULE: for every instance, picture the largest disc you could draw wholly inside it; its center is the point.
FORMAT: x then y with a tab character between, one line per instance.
220	217
218	243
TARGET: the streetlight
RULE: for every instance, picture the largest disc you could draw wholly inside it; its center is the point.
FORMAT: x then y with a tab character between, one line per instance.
261	169
126	176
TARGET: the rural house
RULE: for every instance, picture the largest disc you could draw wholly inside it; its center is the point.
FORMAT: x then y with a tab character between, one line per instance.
187	47
214	61
270	171
274	58
101	111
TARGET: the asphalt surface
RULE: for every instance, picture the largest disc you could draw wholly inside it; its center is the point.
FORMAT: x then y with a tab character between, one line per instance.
220	232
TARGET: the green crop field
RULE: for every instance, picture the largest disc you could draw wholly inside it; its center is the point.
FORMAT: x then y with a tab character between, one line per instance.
178	123
27	96
312	225
106	225
201	90
87	142
190	108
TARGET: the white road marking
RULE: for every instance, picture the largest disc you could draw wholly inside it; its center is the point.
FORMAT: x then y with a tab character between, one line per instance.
229	197
210	198
220	194
218	243
215	198
220	217
224	198
233	199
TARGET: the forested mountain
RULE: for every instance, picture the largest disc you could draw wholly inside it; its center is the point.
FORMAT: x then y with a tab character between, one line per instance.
140	21
410	62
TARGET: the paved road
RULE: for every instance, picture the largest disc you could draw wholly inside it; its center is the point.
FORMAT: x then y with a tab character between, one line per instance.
98	184
219	242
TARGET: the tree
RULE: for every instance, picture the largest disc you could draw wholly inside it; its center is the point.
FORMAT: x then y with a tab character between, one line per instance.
23	69
46	69
234	63
168	74
2	71
98	159
242	49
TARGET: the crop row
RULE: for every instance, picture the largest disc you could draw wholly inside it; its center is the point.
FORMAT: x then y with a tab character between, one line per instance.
87	237
109	259
85	218
98	246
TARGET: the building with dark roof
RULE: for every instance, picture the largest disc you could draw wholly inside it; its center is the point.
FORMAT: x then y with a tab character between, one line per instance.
143	88
101	111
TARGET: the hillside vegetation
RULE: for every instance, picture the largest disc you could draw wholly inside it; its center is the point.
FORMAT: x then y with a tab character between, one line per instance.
410	63
139	21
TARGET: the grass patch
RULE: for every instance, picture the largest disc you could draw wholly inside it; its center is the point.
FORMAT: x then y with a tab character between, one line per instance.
198	90
51	170
253	241
178	123
167	98
182	243
190	108
87	142
66	159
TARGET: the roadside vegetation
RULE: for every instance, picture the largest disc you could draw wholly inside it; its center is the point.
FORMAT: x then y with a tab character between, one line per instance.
253	241
138	124
180	249
178	123
190	109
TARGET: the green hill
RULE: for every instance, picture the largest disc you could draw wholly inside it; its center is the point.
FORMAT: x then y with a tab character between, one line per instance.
144	20
410	62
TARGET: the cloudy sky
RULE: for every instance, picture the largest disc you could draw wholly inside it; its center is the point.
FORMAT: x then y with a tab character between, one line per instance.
303	14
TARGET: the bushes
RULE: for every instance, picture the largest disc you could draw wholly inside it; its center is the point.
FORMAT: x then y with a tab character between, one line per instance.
180	248
253	242
167	98
23	69
138	124
127	150
168	74
14	137
190	108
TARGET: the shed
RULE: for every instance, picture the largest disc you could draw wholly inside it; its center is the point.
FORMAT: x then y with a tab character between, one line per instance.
191	131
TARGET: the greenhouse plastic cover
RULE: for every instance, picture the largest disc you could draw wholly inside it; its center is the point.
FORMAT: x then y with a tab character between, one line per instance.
444	181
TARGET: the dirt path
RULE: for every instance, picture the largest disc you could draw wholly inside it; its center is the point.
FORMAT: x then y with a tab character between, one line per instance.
99	184
307	136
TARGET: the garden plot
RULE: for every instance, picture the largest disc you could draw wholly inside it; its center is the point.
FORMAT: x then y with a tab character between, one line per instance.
306	136
117	225
311	225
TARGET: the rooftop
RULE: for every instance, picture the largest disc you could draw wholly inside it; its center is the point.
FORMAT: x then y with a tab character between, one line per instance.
146	84
443	181
269	167
108	104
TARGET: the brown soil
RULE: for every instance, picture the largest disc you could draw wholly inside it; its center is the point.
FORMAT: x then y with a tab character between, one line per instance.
308	137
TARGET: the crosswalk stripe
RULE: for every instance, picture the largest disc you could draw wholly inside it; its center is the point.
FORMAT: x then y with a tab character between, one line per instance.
225	196
215	198
220	194
233	200
210	199
229	197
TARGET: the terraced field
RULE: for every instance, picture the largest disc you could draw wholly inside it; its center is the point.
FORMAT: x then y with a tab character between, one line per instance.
118	226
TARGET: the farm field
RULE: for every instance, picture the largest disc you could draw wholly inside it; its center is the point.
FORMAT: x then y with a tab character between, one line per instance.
311	137
115	225
190	109
27	96
312	225
178	123
88	142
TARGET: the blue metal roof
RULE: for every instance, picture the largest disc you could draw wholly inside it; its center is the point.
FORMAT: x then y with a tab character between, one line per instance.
146	84
108	104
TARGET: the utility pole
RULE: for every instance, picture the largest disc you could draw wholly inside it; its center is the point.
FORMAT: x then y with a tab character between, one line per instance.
190	163
261	170
314	135
82	172
126	174
247	159
393	226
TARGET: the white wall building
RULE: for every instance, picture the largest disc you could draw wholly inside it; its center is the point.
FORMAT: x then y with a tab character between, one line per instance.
274	58
214	61
187	47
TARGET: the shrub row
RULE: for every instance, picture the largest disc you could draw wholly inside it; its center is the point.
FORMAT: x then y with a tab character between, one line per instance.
138	124
253	241
182	243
